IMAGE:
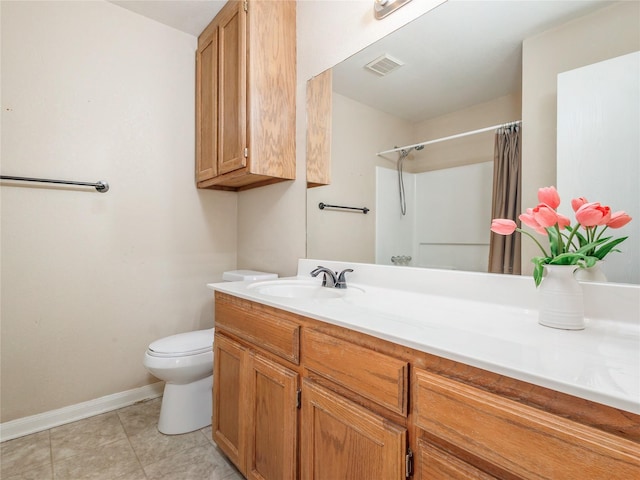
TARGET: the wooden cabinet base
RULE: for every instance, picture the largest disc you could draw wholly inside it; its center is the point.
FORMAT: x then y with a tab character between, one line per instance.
343	440
359	418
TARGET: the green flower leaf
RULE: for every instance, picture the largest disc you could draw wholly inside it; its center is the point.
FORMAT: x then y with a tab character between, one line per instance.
608	248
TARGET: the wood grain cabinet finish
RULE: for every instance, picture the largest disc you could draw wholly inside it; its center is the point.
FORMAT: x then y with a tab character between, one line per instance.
245	96
229	393
255	412
373	375
360	420
342	440
519	441
433	463
319	108
272	421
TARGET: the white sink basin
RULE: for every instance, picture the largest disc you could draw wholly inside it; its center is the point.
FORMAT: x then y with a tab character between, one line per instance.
300	289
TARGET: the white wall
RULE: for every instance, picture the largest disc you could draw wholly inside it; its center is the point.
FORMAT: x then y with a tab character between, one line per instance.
453	238
357	133
456	236
271	221
90	92
599	150
395	233
607	33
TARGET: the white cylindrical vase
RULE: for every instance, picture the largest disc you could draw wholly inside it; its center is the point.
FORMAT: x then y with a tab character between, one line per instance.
560	299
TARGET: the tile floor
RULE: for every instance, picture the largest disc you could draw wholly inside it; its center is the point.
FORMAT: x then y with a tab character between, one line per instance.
120	445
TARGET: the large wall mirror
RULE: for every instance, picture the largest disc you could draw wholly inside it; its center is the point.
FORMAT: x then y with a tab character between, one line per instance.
457	69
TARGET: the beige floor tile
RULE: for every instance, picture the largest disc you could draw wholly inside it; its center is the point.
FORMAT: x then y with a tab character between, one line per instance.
207	432
140	416
150	445
109	462
85	436
235	476
44	472
25	454
198	463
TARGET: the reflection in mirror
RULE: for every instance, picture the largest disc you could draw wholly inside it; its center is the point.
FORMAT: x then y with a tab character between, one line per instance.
461	69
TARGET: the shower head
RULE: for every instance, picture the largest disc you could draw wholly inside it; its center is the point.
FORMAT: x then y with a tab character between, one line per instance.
419	147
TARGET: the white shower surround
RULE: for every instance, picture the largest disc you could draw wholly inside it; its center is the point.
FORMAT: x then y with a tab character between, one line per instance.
427	232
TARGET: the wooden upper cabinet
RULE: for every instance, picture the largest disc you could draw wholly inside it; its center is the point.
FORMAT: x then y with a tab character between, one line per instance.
319	100
246	96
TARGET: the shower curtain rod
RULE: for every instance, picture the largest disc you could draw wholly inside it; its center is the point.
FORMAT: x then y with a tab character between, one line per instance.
429	142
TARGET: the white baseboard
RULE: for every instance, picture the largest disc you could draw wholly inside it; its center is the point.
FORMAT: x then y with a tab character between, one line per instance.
45	421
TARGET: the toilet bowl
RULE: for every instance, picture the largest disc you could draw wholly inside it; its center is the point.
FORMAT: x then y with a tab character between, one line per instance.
185	362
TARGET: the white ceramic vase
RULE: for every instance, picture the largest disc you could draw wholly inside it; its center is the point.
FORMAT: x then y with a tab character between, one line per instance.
591	274
560	299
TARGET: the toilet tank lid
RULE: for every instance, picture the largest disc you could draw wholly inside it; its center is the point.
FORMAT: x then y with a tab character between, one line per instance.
184	343
247	275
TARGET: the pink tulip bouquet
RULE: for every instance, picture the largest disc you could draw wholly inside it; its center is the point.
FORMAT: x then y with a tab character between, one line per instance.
582	244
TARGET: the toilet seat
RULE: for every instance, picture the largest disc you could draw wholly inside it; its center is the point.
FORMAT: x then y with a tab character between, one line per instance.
183	344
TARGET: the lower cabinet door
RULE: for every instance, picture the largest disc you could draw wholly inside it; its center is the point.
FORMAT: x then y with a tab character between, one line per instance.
272	420
228	421
342	440
432	463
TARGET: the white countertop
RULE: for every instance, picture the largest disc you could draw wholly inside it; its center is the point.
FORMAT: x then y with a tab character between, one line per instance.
496	331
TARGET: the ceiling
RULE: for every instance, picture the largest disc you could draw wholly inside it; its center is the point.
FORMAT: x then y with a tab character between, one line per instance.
460	54
189	16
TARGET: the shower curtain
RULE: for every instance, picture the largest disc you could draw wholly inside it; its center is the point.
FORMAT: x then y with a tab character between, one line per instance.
504	250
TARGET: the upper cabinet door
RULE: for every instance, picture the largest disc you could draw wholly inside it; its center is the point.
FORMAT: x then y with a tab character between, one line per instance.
232	88
206	106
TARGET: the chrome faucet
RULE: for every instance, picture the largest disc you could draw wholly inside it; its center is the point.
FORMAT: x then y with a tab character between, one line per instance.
332	279
342	282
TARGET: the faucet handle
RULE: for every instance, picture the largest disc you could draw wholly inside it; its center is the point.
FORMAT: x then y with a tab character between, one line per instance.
329	278
342	281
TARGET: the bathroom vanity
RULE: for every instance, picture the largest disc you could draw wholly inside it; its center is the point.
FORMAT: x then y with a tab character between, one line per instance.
388	383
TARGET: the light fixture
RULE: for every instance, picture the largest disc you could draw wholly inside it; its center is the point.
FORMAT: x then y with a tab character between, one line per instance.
382	8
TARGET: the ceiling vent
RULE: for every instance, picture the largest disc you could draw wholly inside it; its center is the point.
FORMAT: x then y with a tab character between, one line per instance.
384	65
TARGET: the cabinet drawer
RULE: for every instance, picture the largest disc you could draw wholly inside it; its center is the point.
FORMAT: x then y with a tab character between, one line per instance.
521	440
373	375
264	327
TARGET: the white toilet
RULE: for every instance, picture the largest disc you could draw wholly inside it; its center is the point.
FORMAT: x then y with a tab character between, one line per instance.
185	362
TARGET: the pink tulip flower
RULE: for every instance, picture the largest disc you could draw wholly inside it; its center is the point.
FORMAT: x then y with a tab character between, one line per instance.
529	220
592	214
576	203
549	196
503	226
545	215
618	219
563	222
